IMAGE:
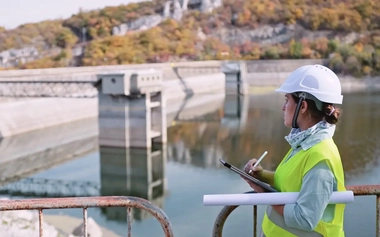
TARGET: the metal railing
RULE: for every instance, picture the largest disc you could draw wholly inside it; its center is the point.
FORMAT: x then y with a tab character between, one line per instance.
360	190
88	202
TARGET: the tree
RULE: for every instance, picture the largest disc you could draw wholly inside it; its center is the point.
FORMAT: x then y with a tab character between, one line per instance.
336	63
376	61
295	49
270	52
353	66
313	19
321	45
66	38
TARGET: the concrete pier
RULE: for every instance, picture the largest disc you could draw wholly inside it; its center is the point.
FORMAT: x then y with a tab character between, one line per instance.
131	109
125	122
236	78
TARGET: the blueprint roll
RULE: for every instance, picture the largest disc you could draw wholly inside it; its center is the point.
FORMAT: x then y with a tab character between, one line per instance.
278	198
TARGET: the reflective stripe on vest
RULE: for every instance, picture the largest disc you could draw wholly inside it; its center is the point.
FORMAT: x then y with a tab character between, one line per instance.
278	220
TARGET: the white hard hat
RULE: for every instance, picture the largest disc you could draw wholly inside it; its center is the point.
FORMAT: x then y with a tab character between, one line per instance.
316	80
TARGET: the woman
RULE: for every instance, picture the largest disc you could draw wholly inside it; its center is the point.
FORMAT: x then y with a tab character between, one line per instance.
312	166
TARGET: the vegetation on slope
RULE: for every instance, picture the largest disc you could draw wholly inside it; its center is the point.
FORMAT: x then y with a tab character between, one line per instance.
172	40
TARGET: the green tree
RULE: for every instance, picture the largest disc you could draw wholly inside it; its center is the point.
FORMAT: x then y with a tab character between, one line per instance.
65	38
346	50
270	52
333	45
353	66
376	61
295	49
336	63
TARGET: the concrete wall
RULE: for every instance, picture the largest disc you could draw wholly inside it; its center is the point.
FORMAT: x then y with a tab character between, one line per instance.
29	114
32	114
203	84
193	107
274	72
32	152
170	71
350	84
257	70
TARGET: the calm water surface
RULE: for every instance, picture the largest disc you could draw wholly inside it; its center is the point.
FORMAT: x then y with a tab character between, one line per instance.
178	175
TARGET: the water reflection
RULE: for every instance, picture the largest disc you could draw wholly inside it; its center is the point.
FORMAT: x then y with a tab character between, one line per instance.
235	111
132	172
260	127
357	135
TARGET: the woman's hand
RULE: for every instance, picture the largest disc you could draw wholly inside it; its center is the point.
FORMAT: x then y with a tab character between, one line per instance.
253	185
254	172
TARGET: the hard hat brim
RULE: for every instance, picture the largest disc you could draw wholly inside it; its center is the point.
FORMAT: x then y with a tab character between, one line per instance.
333	99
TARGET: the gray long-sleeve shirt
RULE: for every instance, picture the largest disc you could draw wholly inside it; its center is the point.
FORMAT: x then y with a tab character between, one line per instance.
313	201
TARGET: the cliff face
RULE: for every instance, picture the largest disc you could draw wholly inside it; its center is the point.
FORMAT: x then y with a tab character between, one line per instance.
280	34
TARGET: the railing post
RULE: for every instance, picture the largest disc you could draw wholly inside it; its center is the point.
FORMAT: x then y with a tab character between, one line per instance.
378	216
254	220
222	217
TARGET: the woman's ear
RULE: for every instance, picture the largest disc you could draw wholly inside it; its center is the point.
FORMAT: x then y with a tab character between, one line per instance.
304	107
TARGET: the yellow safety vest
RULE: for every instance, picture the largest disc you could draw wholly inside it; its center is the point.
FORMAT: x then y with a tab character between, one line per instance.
288	178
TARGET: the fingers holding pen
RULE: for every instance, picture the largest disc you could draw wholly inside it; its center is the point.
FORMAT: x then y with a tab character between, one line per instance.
253	166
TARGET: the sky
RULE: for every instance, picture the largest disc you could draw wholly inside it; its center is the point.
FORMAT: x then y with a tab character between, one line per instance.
16	12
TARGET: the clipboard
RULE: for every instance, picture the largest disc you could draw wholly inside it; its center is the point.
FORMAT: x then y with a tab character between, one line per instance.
263	185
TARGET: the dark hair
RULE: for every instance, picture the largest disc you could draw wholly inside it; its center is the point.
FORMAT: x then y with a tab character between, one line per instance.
318	115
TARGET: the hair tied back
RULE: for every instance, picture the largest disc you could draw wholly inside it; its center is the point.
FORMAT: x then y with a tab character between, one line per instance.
331	112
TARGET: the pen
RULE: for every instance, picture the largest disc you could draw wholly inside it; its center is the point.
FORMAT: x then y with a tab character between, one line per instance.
259	160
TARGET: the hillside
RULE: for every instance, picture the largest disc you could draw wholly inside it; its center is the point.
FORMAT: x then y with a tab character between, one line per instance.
347	31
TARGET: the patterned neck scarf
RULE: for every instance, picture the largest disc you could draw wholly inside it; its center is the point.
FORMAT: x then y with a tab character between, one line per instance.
311	136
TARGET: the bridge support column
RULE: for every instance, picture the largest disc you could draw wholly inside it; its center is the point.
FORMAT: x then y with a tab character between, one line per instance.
236	78
132	110
136	172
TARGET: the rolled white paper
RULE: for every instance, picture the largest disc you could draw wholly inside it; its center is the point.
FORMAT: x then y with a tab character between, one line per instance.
275	198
